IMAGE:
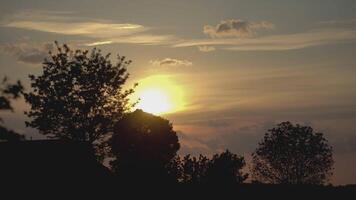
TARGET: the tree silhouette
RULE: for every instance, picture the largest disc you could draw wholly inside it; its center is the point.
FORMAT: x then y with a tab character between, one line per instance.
9	92
79	95
174	169
225	168
144	144
194	169
292	154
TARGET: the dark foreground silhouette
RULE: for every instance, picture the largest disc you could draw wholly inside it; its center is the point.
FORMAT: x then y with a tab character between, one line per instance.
64	166
49	161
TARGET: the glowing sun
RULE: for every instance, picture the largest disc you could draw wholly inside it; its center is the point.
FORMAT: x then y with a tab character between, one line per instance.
159	95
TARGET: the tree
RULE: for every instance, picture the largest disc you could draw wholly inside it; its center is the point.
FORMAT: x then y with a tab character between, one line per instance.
225	168
292	154
143	144
9	92
174	169
194	169
79	95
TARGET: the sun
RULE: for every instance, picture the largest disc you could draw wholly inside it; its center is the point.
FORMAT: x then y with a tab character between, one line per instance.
159	94
154	101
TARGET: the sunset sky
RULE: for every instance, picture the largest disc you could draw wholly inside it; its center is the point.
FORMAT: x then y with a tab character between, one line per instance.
228	70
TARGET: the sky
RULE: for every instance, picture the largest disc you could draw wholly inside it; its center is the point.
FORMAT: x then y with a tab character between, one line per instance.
241	66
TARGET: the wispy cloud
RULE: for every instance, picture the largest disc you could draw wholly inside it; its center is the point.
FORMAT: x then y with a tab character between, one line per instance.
26	53
236	28
146	39
234	34
142	39
96	31
98	43
171	62
339	22
277	42
92	29
206	48
68	24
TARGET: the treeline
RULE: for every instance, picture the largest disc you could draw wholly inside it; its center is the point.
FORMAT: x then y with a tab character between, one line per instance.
80	97
145	148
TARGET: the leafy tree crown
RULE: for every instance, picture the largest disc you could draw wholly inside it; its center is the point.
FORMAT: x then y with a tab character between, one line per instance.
293	154
79	95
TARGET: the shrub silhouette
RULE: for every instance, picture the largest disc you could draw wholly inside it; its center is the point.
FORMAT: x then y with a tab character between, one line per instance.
194	169
79	95
292	154
224	168
144	144
9	92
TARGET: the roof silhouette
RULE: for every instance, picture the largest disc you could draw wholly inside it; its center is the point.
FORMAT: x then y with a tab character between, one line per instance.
50	161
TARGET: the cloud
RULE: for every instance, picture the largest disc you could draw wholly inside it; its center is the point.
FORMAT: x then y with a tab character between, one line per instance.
142	39
278	42
235	28
206	48
86	28
25	53
171	62
98	43
95	31
339	22
191	145
234	34
145	39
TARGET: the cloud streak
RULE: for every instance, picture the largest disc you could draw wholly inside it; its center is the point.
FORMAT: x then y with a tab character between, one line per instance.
141	39
91	29
67	24
236	28
277	42
206	48
171	62
233	35
96	32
